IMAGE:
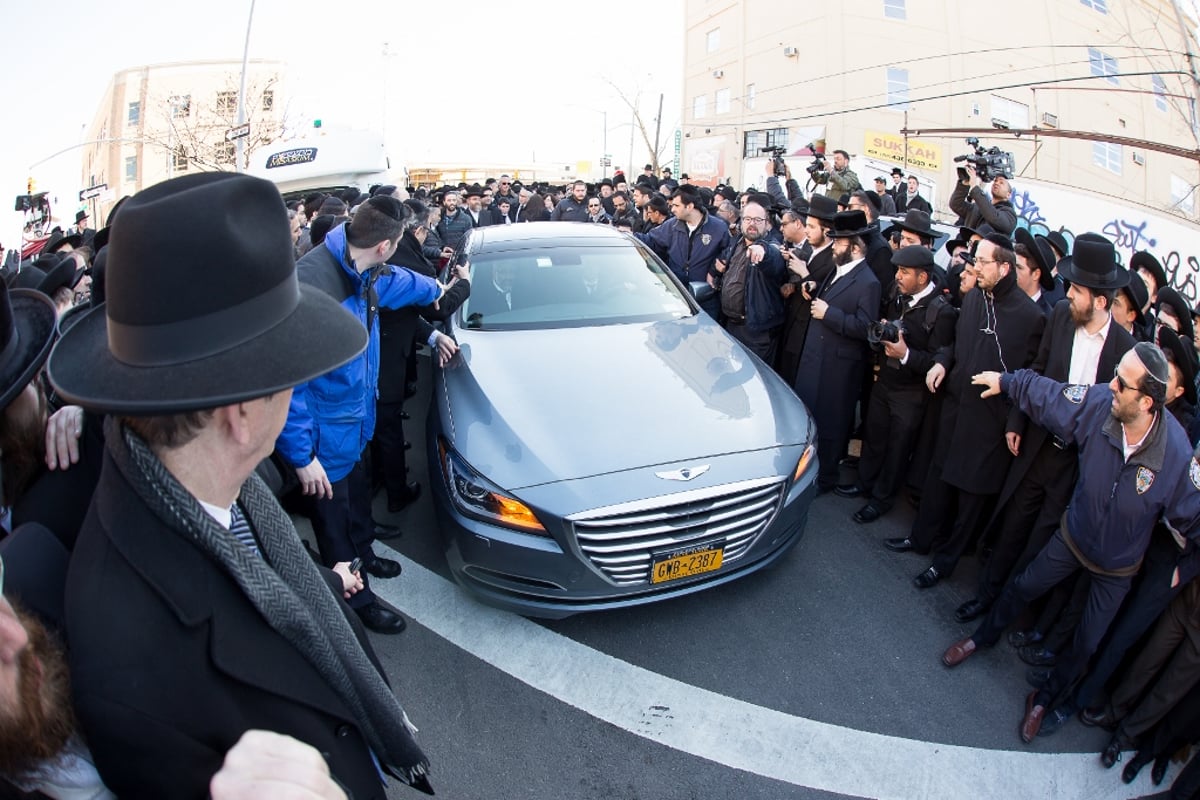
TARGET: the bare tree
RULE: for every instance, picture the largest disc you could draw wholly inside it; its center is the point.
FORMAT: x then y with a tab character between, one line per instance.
192	128
639	123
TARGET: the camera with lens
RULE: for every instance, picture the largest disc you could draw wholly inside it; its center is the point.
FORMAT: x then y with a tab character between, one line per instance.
990	162
818	171
777	161
881	332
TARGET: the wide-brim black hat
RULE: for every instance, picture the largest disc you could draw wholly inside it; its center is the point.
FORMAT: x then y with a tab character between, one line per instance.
1143	259
1184	356
1042	256
1173	300
474	190
915	221
847	224
898	171
1139	295
58	239
27	320
1057	241
221	321
822	207
1093	264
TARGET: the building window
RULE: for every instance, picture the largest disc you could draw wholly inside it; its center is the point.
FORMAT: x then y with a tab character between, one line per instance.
1107	155
181	105
1015	115
750	90
712	40
1183	195
226	153
1160	92
756	140
131	169
226	102
1103	65
722	101
897	88
268	100
135	113
894	9
699	106
1096	5
179	160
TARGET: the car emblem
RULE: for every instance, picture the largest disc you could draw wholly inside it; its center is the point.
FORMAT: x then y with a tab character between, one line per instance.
685	474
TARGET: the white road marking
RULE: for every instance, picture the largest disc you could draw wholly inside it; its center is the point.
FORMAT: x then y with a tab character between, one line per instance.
737	734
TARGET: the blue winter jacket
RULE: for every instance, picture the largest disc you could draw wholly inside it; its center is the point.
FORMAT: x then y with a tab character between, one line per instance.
332	417
690	256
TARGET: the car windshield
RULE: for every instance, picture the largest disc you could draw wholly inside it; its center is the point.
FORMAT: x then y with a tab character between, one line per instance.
579	285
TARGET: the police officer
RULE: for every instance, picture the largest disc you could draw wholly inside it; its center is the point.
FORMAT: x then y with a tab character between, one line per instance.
897	406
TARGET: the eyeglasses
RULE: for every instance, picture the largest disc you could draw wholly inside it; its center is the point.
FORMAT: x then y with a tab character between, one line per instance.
980	260
1121	382
755	220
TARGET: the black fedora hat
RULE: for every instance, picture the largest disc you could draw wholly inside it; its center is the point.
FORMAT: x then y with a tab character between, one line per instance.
1093	264
822	207
1170	299
223	320
850	223
80	216
1184	356
1142	259
27	320
1058	242
898	172
1042	256
915	221
58	239
1139	297
474	190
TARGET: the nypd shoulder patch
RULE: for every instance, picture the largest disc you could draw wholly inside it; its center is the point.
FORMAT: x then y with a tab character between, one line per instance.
1145	479
1076	392
1194	473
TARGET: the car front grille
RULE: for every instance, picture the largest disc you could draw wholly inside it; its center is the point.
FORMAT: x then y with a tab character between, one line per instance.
621	540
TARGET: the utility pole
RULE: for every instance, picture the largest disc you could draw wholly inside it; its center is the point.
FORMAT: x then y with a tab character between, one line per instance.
657	128
241	104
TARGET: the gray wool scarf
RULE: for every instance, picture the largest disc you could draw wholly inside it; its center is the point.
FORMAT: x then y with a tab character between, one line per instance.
293	598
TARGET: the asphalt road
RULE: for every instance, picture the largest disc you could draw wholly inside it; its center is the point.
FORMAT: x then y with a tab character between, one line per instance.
833	633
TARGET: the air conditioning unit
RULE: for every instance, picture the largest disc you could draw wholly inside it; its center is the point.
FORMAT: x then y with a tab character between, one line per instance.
1139	159
1050	120
718	73
791	52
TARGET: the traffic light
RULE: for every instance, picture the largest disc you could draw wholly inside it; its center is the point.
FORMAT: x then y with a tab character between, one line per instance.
316	123
30	186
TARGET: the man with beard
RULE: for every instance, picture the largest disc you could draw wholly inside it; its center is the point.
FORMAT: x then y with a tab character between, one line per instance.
829	377
999	326
749	279
809	268
186	564
1135	466
975	207
622	213
1082	345
453	226
842	179
573	207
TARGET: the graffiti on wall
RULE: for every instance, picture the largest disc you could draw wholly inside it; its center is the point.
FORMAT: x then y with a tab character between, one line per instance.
1129	233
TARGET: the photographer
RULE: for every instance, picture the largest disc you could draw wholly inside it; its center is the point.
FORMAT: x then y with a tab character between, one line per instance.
773	187
919	322
975	207
842	179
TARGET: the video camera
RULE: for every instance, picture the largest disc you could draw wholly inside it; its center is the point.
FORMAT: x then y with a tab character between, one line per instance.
990	163
776	152
880	332
817	171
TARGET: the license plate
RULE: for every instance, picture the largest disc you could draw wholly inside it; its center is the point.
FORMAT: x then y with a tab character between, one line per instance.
675	567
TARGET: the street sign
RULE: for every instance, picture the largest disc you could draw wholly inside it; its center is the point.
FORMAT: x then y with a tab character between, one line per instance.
92	191
678	147
238	132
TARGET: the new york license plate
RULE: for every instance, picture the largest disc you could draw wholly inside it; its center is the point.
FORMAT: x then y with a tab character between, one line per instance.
685	565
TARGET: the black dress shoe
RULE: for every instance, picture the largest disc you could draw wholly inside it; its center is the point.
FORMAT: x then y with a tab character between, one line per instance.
1056	719
848	490
928	578
1102	717
868	513
1112	752
1159	770
382	567
1141	759
1019	639
381	620
898	545
405	415
1037	656
383	531
972	609
1038	677
406	500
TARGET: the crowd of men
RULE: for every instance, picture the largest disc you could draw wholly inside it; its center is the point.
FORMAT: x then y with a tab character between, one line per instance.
165	632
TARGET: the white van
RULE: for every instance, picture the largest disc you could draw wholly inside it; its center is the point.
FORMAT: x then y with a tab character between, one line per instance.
323	161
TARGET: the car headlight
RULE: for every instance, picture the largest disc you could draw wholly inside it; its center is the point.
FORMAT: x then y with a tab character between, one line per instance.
476	496
810	450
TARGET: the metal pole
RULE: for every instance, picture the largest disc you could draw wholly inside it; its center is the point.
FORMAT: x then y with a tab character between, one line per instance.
241	107
604	155
657	128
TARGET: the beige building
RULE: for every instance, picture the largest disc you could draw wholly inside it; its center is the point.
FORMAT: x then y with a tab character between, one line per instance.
163	120
1096	89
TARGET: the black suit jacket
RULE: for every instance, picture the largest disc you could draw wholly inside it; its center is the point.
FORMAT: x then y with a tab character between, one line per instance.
171	664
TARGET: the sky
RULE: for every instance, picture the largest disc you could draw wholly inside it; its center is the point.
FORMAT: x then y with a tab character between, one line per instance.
469	81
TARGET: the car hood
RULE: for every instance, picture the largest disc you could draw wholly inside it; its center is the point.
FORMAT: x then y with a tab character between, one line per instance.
527	407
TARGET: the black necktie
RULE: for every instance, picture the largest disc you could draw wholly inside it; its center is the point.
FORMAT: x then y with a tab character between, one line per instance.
240	529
